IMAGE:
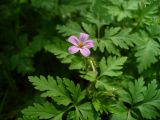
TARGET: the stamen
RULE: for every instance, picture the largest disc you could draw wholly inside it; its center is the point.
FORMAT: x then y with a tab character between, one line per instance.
80	45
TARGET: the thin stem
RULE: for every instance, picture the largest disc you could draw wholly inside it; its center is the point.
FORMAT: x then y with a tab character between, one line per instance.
92	65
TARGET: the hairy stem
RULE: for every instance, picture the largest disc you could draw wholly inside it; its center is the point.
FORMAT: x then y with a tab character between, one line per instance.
92	65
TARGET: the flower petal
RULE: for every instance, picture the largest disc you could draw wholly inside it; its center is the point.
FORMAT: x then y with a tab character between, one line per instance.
73	49
89	44
74	40
85	51
83	37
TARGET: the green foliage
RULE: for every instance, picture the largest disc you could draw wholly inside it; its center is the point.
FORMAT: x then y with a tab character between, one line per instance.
72	28
113	67
147	52
64	92
59	48
147	12
27	118
146	99
126	36
45	111
115	37
70	6
120	31
122	9
58	89
22	61
48	5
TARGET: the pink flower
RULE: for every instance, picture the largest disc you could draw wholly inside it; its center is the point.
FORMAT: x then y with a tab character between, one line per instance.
82	44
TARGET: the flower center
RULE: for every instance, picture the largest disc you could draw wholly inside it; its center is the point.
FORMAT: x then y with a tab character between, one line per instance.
80	45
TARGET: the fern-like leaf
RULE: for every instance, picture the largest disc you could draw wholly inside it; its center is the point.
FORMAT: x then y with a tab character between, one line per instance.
87	112
63	91
147	52
113	66
60	49
45	111
71	28
48	5
28	118
151	101
122	9
115	37
147	12
76	93
139	97
136	91
52	88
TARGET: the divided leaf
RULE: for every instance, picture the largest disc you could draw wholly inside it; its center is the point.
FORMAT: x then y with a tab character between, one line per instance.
136	90
123	38
84	111
72	28
87	112
48	5
113	66
115	37
147	11
28	118
52	88
122	9
76	93
147	52
63	91
151	102
45	111
138	96
60	49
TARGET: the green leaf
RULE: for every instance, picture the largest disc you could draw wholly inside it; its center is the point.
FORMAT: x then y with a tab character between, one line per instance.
147	12
122	9
70	6
118	12
103	84
28	118
76	93
135	94
136	90
63	91
52	88
77	63
148	111
123	116
151	101
123	39
113	66
110	47
115	37
83	111
60	49
89	28
97	105
72	28
45	111
48	5
142	98
90	75
147	52
22	60
72	115
96	15
154	31
87	112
